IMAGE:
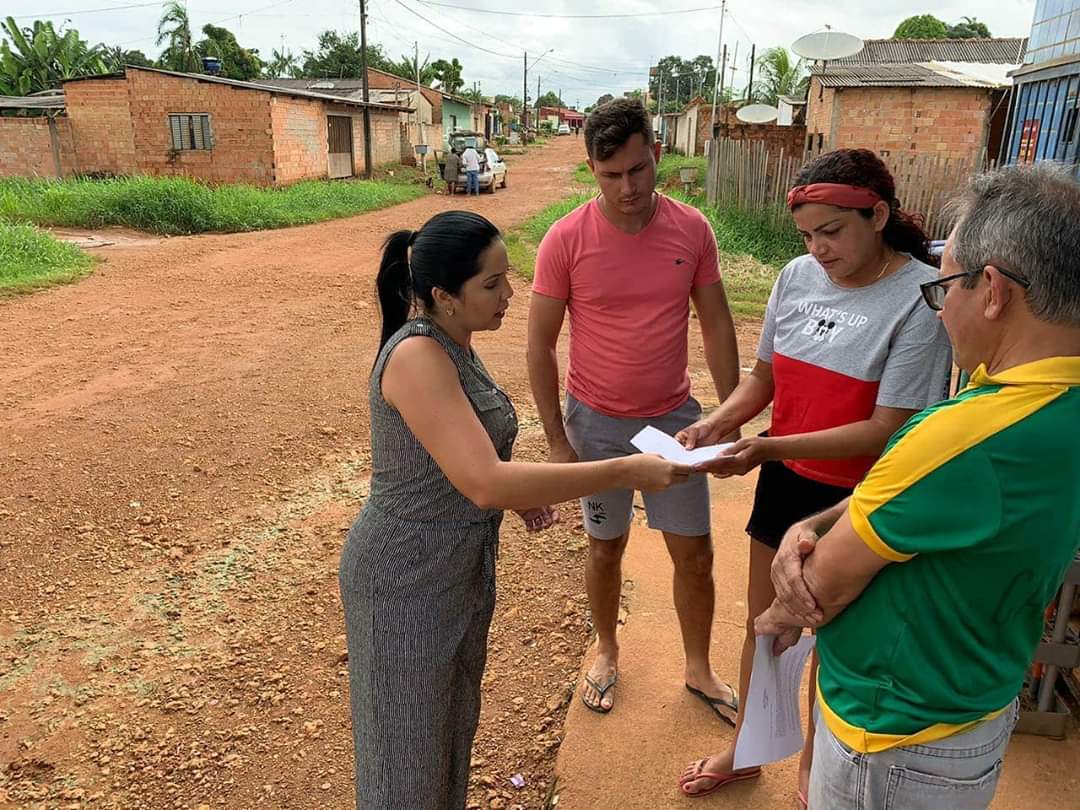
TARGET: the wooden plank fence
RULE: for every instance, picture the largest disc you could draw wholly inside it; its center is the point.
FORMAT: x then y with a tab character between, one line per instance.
746	175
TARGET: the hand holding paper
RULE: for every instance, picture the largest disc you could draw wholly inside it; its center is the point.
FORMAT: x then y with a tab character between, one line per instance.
651	440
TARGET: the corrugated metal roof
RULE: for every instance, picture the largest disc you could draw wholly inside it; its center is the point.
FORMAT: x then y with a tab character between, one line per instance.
999	50
53	102
264	87
905	75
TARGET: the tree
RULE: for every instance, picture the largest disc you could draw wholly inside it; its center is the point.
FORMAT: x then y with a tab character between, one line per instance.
513	101
968	28
678	81
549	99
116	57
174	28
40	58
780	76
604	99
236	62
282	64
338	56
408	67
924	26
448	74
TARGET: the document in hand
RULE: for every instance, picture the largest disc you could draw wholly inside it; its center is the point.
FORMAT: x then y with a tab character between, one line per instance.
772	724
651	440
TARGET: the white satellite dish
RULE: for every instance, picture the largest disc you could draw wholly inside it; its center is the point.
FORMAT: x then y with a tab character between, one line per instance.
825	46
757	114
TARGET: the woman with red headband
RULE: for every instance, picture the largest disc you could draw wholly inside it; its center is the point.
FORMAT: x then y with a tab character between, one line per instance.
847	355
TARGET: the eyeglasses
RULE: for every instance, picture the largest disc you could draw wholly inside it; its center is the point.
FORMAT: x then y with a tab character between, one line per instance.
933	292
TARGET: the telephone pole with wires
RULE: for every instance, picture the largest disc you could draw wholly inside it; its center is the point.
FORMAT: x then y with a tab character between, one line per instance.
367	100
719	68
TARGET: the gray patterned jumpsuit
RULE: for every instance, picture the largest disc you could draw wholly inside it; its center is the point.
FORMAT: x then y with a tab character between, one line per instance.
417	582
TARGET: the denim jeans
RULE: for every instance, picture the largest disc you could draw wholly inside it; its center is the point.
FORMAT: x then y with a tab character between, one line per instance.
472	182
956	773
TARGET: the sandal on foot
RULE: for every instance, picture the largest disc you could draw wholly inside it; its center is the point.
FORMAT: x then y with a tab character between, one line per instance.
721	779
715	703
602	690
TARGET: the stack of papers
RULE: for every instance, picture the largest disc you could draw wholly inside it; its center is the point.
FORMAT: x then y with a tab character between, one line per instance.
651	440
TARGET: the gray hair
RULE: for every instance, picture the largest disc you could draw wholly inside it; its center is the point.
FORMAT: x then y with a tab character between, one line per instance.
1025	219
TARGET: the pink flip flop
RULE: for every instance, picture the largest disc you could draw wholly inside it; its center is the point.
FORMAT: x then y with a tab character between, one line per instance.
721	780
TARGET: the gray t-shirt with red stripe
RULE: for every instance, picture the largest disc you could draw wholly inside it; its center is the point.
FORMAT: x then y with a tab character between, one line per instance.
838	352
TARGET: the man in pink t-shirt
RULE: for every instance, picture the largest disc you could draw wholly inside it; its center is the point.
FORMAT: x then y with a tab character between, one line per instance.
626	266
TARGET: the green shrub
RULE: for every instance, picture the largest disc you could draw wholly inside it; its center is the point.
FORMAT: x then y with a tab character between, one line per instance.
175	205
30	259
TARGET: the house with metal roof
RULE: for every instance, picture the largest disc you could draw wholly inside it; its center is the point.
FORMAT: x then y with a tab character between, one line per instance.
947	98
159	122
1046	104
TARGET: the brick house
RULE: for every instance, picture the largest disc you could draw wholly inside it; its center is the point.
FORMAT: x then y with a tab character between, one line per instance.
157	122
938	97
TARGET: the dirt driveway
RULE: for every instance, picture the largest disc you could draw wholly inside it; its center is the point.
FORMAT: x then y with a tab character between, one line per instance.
184	442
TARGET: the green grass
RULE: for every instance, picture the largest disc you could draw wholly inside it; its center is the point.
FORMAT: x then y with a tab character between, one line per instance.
522	241
177	206
31	259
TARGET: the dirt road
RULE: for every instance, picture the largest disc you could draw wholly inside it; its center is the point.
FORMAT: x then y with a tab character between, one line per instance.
184	439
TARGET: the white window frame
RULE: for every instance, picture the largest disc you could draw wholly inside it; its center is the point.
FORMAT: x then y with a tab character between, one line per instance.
187	140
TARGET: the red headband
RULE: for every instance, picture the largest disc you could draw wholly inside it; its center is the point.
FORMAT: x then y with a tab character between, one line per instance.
838	194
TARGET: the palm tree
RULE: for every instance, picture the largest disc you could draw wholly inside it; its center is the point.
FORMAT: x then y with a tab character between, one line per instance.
174	27
449	74
282	64
409	68
40	58
780	76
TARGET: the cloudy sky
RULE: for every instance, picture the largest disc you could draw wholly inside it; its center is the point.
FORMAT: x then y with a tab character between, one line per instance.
590	57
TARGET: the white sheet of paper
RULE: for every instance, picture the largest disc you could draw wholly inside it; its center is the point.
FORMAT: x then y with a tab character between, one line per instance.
772	725
651	440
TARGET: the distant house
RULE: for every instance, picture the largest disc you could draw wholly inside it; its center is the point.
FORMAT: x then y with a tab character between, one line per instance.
1043	124
562	115
939	97
158	122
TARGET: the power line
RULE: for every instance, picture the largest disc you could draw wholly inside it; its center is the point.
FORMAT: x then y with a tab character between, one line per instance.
455	36
568	16
42	14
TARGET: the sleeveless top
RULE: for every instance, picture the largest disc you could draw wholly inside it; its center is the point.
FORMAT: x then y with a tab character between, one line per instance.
406	481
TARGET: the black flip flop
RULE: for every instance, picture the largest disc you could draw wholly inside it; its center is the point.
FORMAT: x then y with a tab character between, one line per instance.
715	702
599	708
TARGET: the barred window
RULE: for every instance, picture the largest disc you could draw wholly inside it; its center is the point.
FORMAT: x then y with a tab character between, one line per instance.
190	131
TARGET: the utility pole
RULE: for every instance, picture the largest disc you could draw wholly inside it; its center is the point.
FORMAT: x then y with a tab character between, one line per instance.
419	105
367	110
525	104
734	67
719	68
750	85
537	103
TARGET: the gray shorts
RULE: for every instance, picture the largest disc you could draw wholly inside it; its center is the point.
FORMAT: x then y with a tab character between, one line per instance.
683	509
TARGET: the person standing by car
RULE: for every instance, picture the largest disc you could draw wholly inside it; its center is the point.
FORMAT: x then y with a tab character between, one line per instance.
451	169
470	161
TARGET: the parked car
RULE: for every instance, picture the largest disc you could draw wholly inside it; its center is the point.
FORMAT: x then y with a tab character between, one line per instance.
492	171
564	128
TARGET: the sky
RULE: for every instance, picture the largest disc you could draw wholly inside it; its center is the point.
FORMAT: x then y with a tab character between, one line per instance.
591	57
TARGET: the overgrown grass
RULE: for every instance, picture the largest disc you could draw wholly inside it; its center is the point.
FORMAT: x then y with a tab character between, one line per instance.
173	205
522	241
30	259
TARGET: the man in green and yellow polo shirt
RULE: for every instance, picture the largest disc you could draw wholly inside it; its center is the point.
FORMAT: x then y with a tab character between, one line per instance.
929	585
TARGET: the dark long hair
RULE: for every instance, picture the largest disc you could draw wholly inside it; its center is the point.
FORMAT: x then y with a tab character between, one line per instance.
861	167
445	253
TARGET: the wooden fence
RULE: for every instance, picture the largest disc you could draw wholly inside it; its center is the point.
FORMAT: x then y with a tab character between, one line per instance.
746	175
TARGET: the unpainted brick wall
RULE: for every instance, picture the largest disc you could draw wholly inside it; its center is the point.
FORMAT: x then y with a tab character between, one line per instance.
101	123
239	121
819	114
301	146
26	148
947	121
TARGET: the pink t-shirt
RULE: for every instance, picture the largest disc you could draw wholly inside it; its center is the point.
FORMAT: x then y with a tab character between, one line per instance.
629	303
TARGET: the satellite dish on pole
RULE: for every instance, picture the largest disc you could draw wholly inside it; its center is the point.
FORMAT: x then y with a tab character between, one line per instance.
757	114
827	45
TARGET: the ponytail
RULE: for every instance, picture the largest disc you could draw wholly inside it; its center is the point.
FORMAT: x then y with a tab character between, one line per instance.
903	233
443	254
394	284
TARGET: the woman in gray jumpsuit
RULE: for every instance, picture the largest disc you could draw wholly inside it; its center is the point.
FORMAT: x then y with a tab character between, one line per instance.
417	572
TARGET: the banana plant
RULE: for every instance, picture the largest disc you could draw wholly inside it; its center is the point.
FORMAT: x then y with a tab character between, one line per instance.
40	58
